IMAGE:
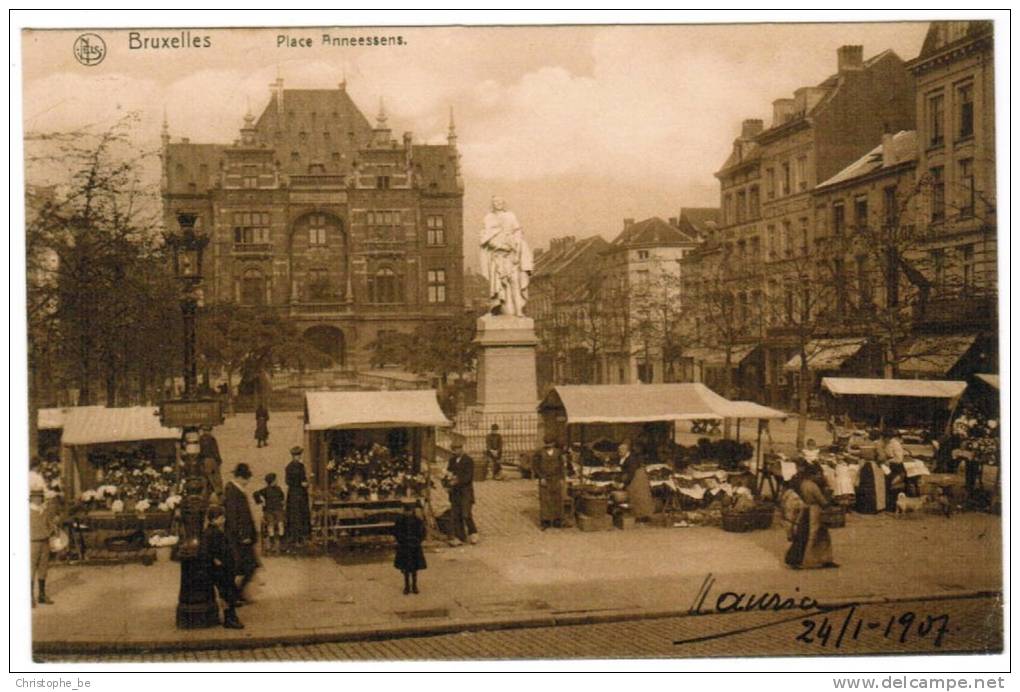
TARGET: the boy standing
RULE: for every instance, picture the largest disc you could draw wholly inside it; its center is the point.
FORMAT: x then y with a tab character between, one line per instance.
42	526
221	566
271	498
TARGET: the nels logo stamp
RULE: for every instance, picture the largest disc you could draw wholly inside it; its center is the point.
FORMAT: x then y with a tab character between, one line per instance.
89	49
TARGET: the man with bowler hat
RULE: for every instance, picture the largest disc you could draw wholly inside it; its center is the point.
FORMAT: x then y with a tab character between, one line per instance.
239	528
459	480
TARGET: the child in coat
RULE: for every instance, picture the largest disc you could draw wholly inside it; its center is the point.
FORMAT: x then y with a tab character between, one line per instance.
271	499
220	564
409	530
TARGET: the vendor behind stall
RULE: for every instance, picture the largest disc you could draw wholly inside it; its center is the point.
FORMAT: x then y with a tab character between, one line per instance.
635	481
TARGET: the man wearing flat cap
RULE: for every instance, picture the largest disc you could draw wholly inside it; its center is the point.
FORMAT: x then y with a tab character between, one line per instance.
239	527
460	477
299	514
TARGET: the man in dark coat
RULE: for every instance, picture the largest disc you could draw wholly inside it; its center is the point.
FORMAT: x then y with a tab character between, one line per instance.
460	477
261	426
209	453
299	514
216	551
494	452
240	528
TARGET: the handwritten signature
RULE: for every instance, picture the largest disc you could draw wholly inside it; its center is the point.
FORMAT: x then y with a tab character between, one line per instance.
821	627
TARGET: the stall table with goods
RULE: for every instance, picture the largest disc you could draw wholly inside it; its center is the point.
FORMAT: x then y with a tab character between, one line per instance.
369	452
120	475
689	485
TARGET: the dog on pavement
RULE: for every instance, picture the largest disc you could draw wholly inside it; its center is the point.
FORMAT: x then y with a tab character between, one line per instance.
905	505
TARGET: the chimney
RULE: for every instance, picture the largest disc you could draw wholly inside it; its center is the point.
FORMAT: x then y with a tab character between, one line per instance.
627	223
888	155
185	140
782	111
751	129
674	221
850	58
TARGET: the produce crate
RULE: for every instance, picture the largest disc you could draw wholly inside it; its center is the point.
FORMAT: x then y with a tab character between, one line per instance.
623	521
594	505
834	517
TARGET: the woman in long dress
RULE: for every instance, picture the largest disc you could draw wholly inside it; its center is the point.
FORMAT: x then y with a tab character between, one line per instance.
551	476
635	480
811	546
871	494
299	515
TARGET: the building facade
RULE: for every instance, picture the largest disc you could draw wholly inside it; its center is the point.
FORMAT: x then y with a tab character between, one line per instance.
317	214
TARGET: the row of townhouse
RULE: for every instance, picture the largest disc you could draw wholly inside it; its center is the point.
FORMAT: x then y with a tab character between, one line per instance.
858	230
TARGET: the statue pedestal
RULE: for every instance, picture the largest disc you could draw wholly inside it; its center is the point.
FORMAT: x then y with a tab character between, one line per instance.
507	387
506	364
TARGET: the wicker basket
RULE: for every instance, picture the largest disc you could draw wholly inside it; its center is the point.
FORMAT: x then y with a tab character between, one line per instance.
739	522
763	517
834	517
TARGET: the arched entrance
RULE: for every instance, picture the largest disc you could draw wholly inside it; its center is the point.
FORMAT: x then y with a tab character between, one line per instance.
329	340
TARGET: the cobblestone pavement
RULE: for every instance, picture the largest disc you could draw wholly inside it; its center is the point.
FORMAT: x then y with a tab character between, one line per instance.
971	625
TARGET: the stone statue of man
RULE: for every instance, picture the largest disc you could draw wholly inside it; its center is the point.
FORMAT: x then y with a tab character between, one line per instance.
506	260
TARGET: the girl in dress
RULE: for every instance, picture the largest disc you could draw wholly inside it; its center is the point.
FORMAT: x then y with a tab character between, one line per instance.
409	530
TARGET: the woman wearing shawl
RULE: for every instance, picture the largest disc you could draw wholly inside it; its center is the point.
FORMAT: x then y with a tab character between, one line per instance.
810	546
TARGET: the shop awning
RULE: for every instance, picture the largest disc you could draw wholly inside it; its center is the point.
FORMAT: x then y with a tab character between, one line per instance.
716	357
751	410
360	410
990	380
860	386
826	354
645	403
50	419
934	355
89	425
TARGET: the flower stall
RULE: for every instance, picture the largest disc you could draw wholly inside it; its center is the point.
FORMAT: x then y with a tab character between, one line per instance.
120	474
368	451
647	414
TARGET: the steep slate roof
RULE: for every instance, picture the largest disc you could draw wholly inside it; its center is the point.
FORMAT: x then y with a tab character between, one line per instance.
936	40
184	162
653	231
904	146
437	165
703	220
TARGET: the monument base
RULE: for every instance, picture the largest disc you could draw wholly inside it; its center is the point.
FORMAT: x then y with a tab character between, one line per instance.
507	388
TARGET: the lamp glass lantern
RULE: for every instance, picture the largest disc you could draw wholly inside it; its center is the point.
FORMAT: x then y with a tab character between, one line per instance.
188	245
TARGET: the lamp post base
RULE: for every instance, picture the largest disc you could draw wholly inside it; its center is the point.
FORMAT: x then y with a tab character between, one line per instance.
196	604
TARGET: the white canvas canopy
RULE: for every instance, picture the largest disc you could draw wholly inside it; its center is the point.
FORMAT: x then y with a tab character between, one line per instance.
990	380
365	410
645	403
860	386
89	425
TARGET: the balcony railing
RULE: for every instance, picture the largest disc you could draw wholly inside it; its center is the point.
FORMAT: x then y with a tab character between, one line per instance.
253	248
337	182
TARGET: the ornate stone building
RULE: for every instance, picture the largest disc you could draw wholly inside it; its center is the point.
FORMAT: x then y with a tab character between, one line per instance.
318	214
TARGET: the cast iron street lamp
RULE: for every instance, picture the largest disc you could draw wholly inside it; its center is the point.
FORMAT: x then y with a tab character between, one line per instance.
196	603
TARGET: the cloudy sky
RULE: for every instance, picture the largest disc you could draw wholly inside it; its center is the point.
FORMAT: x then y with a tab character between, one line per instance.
576	127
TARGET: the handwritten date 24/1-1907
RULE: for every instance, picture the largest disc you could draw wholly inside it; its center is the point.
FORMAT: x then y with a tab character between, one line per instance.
829	629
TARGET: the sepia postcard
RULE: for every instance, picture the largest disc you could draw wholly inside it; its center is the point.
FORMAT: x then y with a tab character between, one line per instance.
495	343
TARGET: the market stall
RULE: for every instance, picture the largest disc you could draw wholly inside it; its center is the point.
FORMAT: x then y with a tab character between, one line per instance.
367	451
599	415
119	473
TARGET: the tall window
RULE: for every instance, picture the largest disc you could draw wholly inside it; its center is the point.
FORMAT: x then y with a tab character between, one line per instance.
805	239
383	182
936	119
839	277
838	219
253	288
966	177
863	281
251	227
861	212
770	183
318	284
727	209
250	176
786	178
890	207
741	206
938	194
965	110
755	248
384	287
755	211
801	172
967	255
317	229
773	242
436	227
938	264
787	240
437	285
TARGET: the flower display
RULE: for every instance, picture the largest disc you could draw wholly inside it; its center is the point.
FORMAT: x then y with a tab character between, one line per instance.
142	506
374	471
117	506
161	541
